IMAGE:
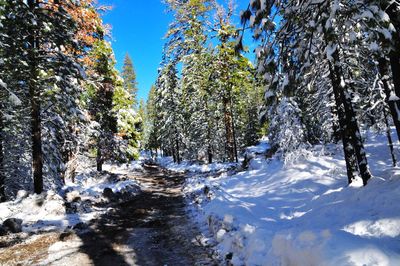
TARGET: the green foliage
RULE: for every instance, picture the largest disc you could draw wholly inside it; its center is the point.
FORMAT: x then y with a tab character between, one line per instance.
129	78
214	97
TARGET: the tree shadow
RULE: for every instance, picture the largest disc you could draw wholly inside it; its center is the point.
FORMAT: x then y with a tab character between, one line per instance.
152	228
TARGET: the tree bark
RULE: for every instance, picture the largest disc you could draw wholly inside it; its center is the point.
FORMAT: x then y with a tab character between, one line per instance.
348	149
178	158
390	141
395	65
209	140
394	106
335	127
392	9
230	145
233	129
34	94
2	177
99	156
351	125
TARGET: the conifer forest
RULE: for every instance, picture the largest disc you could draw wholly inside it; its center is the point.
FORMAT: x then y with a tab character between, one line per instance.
200	132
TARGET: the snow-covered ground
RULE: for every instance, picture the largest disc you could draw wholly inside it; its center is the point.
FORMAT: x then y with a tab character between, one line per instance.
302	213
48	210
185	166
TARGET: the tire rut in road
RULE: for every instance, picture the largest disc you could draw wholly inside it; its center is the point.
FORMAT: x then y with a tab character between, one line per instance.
152	229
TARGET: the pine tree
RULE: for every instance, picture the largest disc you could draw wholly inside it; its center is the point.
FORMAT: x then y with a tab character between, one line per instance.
42	46
28	69
211	100
2	96
291	51
101	103
129	76
151	125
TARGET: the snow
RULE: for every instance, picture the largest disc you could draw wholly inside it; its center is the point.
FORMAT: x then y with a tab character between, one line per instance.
14	99
252	20
47	211
186	166
384	16
261	148
3	84
393	97
342	82
374	46
367	15
330	49
303	213
375	229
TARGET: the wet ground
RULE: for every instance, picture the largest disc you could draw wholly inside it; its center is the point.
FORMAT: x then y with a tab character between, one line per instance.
152	229
155	225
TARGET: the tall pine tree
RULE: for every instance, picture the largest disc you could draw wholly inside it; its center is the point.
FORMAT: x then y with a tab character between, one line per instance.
129	76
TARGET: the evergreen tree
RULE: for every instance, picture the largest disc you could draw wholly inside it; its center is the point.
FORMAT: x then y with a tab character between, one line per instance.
36	61
129	76
151	126
292	50
212	98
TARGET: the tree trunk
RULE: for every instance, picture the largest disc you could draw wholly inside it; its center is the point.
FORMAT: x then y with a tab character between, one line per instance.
178	158
174	156
230	142
351	125
395	65
392	9
394	106
209	145
335	127
2	177
348	149
233	129
99	156
209	140
34	94
390	141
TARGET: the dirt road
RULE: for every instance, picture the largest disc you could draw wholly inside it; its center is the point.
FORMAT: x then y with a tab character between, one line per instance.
152	229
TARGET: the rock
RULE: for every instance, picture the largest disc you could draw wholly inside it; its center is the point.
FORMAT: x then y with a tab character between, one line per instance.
13	225
70	207
52	195
85	206
80	226
3	231
111	210
141	211
77	199
73	196
108	193
22	194
206	190
67	235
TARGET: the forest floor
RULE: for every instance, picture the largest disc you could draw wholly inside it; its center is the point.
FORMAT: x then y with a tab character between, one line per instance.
299	209
152	228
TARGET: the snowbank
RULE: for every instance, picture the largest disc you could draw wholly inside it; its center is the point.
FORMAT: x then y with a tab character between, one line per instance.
186	166
48	211
91	185
304	213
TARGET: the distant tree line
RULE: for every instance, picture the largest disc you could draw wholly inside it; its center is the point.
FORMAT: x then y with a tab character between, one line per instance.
205	102
326	71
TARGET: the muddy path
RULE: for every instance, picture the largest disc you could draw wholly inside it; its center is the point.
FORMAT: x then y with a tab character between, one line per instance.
154	228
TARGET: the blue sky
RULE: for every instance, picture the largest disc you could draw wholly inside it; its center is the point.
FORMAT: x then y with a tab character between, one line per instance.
138	27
